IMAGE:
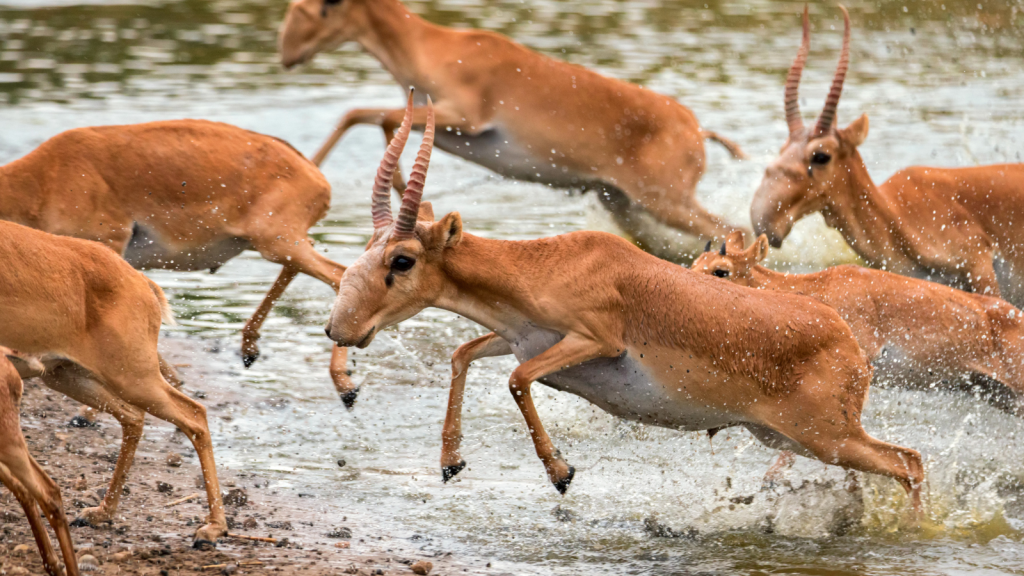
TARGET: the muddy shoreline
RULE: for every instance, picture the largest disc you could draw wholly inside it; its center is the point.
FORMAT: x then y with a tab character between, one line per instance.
149	537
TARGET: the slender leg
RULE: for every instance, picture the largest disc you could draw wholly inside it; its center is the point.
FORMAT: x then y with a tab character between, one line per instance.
169	373
340	376
161	400
251	330
983	276
783	463
28	504
572	350
79	385
485	346
48	496
390	119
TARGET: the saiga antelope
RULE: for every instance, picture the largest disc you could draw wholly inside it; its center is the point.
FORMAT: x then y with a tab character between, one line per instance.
181	195
590	314
94	322
521	114
21	474
943	224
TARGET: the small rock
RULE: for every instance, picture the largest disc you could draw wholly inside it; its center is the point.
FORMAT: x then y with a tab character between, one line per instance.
250	523
282	543
20	550
164	487
229	569
80	484
120	556
342	544
17	571
286	525
340	532
423	567
236	497
88	563
200	482
174	460
341	462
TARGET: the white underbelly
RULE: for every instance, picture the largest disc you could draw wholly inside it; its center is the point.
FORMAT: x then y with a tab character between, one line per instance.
147	251
496	150
622	387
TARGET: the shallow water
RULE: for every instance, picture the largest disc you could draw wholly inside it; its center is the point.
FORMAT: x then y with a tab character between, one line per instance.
942	85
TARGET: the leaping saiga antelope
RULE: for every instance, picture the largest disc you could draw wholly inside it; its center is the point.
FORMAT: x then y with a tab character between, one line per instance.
94	323
942	224
590	314
916	334
181	195
521	114
21	474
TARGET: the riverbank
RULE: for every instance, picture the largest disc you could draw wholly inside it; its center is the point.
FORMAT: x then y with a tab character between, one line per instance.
152	534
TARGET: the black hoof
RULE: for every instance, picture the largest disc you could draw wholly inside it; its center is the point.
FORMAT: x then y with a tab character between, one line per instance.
449	472
563	484
80	522
349	398
80	422
249	359
203	544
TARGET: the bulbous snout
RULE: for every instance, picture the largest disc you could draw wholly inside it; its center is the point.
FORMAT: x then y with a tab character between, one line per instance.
349	324
769	212
296	40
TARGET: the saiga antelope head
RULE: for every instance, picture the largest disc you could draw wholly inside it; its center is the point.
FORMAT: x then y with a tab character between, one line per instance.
401	271
814	162
732	262
313	26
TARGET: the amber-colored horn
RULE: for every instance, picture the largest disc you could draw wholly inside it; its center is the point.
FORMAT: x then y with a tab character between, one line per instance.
417	179
792	94
828	113
380	205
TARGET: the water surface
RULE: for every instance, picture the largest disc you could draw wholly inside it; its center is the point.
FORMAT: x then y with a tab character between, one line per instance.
942	84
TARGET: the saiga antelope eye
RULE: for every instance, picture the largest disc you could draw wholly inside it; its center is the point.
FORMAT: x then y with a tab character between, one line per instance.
402	264
721	273
820	158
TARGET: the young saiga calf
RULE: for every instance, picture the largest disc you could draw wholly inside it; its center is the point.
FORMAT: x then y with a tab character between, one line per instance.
916	334
94	322
943	224
521	114
181	195
590	314
20	473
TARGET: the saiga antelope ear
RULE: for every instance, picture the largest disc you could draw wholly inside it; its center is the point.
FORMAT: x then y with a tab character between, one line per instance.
735	240
426	212
761	247
448	231
856	132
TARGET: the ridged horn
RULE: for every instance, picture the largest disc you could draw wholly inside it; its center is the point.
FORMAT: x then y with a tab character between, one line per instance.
828	113
380	204
792	94
406	222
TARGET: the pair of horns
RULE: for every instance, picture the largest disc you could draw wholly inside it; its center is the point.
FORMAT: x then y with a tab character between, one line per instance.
707	248
381	198
828	113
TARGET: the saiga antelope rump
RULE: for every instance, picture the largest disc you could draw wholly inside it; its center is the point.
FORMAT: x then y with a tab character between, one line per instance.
943	224
21	474
916	334
181	195
94	322
521	114
590	314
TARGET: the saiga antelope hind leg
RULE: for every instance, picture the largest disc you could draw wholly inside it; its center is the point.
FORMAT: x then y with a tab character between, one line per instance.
570	351
485	346
87	414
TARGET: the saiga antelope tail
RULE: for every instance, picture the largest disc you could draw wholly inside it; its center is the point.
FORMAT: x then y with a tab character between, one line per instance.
733	148
166	315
